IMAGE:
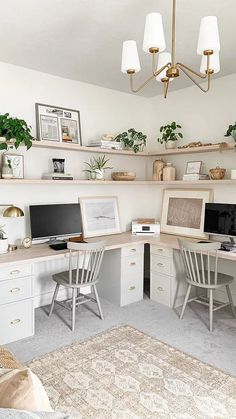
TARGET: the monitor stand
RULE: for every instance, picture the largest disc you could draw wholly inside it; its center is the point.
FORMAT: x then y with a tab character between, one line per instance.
55	241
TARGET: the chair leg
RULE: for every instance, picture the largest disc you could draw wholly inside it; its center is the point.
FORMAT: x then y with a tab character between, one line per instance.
185	301
211	309
98	301
53	300
230	300
74	293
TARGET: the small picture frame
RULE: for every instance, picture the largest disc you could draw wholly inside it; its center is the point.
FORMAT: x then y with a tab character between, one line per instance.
17	164
100	215
194	167
58	124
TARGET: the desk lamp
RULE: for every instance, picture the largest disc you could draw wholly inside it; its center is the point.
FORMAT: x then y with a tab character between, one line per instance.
12	211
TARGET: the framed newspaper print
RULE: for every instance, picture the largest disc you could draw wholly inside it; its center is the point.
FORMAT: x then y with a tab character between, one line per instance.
58	124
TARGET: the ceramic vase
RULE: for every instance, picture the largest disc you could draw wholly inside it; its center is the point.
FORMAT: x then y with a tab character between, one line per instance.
169	172
99	174
157	169
7	172
3	246
170	144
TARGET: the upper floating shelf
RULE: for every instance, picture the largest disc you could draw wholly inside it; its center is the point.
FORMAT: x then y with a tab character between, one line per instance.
163	152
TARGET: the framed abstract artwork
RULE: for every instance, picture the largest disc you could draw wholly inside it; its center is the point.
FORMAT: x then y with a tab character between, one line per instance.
58	124
183	211
100	215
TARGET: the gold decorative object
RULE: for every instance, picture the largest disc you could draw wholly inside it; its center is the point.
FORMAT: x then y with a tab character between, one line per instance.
222	144
168	68
123	175
217	174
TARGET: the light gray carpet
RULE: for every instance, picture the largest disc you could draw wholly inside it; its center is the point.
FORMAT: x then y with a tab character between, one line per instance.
189	335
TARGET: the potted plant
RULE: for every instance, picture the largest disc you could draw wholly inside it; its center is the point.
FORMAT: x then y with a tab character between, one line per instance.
231	131
3	241
97	167
132	139
170	135
14	132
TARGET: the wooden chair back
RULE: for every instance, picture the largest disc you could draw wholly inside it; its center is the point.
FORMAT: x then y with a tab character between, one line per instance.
88	261
197	261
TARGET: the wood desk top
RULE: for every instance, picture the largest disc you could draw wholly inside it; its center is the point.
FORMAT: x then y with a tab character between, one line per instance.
42	252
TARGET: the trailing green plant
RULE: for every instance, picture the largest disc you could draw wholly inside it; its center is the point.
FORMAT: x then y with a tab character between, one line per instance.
170	133
132	139
14	129
2	232
231	131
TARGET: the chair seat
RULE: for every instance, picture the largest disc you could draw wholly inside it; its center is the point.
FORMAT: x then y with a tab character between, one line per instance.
222	280
62	278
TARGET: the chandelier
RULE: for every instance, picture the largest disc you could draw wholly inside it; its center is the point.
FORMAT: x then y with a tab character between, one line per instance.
165	68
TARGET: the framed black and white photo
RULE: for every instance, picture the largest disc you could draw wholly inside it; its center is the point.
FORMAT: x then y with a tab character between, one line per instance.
100	215
194	167
58	124
17	164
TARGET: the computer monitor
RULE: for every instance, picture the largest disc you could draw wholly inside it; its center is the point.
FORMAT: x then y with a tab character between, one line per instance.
220	219
55	221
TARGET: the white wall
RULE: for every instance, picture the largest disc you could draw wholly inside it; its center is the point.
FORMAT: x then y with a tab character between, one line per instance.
102	111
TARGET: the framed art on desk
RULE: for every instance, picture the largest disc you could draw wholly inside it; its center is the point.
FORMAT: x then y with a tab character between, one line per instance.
100	215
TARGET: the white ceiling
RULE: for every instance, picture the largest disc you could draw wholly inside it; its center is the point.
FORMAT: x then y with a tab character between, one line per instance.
82	39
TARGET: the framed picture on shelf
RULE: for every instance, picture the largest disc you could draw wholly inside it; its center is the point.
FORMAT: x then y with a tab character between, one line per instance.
194	167
58	124
183	211
100	215
17	164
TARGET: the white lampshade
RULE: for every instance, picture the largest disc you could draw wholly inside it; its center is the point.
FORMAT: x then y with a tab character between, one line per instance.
130	58
208	35
154	33
163	59
214	63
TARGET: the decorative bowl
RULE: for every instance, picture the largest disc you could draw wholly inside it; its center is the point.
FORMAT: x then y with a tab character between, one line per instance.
123	175
217	174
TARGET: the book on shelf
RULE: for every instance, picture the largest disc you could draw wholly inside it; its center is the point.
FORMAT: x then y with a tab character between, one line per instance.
105	144
57	176
195	176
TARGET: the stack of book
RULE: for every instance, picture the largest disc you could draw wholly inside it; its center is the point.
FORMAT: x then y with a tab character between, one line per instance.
115	145
57	176
195	176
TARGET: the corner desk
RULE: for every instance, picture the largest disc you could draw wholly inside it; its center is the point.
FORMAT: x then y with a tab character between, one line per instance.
25	277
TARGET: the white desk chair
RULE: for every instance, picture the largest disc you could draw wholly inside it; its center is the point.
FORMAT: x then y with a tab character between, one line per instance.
88	263
196	258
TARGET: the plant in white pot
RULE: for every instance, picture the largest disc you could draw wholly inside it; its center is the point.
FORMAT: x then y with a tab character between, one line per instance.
170	135
3	241
100	167
91	171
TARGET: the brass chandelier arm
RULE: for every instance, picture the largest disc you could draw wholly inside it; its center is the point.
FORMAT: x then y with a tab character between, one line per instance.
196	73
195	82
131	80
166	86
161	69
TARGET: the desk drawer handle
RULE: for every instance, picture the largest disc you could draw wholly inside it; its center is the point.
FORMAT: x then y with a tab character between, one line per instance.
132	263
16	321
14	290
15	272
132	288
160	264
160	289
160	250
133	250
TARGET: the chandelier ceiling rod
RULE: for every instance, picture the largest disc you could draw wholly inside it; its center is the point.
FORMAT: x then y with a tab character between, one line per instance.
167	69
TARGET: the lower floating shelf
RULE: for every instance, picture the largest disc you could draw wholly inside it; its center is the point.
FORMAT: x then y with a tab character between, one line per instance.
118	182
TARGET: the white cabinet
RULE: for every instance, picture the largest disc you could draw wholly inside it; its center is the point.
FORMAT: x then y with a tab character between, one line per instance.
16	303
121	275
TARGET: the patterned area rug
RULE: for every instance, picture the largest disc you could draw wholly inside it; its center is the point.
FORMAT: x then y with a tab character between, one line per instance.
125	374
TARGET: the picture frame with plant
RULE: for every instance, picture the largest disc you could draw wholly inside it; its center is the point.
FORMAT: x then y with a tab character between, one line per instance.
15	132
132	139
170	133
231	132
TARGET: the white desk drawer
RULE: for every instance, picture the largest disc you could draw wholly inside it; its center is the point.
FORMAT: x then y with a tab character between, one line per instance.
15	271
161	264
15	289
162	251
131	265
160	289
132	250
17	321
132	290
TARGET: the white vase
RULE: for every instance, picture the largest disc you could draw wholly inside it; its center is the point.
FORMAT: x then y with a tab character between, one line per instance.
99	174
3	246
170	145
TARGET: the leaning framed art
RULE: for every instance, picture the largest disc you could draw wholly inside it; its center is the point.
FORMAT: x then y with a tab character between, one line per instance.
100	215
183	211
58	124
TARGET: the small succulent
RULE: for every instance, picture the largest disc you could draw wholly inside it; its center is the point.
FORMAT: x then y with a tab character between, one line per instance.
169	133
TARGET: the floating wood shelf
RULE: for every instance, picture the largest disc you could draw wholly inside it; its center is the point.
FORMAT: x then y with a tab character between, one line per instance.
189	150
119	182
